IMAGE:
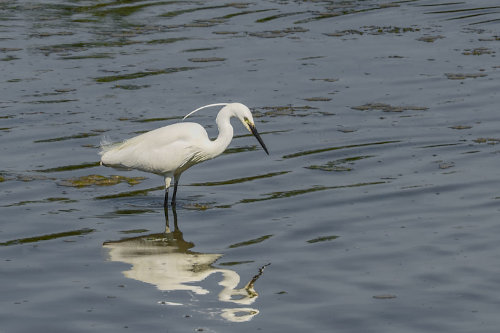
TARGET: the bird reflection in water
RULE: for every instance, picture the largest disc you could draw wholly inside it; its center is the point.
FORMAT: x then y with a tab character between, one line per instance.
166	261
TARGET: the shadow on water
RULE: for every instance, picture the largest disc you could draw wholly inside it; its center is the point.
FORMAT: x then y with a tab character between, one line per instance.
167	261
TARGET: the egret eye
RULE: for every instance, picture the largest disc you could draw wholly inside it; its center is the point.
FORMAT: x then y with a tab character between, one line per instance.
248	122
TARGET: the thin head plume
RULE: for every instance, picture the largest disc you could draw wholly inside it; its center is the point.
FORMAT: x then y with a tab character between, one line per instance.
106	144
203	107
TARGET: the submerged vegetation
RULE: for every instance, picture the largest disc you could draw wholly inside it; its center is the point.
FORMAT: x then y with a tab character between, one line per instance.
373	30
388	108
48	237
99	180
322	239
343	164
136	75
461	76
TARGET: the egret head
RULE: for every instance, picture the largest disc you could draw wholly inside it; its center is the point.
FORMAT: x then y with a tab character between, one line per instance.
244	114
240	111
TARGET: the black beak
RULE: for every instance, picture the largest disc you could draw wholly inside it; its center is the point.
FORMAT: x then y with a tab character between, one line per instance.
257	136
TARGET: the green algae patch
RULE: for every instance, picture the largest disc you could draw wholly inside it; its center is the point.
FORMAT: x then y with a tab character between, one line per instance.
389	30
202	49
191	10
322	150
324	79
318	99
199	206
338	165
240	180
52	101
166	40
388	108
134	231
99	180
478	51
71	167
209	59
277	16
136	75
250	242
315	188
37	239
79	46
239	150
69	137
462	76
430	39
150	120
132	211
490	141
277	33
130	86
322	239
461	127
48	200
246	12
129	193
89	56
373	30
284	110
234	263
122	11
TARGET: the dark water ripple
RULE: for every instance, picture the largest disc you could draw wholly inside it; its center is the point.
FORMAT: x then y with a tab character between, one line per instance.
377	209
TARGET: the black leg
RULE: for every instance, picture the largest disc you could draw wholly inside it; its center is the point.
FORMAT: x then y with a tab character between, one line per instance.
176	182
167	222
167	225
174	213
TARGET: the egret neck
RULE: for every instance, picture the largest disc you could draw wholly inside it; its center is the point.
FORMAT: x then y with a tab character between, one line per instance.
219	145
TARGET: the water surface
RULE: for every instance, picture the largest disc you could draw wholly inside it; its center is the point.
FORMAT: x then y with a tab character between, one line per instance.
377	209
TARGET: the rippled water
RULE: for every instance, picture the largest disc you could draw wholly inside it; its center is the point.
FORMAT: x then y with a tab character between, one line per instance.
377	209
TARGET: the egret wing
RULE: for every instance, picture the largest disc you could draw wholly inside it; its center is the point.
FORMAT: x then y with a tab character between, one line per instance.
160	151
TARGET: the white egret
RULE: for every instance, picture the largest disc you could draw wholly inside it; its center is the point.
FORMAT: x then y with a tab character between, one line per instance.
169	151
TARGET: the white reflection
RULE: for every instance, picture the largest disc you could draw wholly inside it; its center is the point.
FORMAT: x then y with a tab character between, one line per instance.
166	261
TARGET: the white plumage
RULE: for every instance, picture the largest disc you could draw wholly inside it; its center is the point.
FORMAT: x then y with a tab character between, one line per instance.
170	150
